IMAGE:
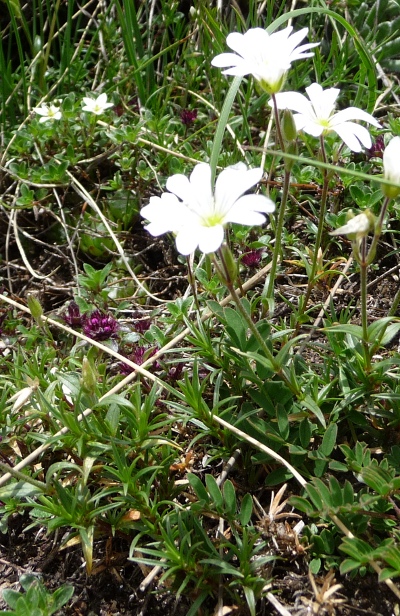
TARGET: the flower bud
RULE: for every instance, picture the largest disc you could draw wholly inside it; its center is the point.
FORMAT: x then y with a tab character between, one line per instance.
391	168
289	130
35	308
228	266
89	376
358	226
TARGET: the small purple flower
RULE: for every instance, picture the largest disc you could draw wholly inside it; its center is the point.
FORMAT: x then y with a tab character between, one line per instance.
377	148
252	258
73	316
188	117
139	356
175	372
141	324
100	326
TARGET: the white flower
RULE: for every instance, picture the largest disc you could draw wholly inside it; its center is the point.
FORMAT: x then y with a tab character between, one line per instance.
358	226
96	105
391	167
267	57
316	116
198	219
48	112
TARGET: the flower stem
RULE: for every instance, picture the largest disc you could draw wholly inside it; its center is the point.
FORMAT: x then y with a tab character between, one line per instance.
320	230
278	235
247	317
377	231
282	209
192	282
363	292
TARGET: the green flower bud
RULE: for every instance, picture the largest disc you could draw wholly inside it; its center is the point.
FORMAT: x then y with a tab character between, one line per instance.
35	308
391	168
228	266
89	376
289	130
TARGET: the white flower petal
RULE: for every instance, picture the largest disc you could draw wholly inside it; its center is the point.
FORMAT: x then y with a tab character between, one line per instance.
391	160
240	43
360	224
352	134
179	185
248	210
226	59
165	214
200	180
294	101
199	218
353	113
187	240
309	126
323	101
232	183
267	57
211	238
196	192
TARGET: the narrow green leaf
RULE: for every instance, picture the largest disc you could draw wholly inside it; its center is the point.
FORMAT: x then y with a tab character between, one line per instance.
229	497
305	433
312	406
329	439
214	491
246	509
198	487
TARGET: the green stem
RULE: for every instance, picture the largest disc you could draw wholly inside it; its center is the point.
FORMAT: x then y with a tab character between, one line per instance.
395	304
268	354
192	282
320	230
377	231
22	477
282	209
363	291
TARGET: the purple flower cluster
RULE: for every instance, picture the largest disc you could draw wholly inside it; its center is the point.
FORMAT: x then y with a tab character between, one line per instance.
73	316
252	258
377	148
188	117
100	326
138	356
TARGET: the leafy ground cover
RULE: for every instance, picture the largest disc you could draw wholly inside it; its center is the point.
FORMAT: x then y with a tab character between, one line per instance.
214	430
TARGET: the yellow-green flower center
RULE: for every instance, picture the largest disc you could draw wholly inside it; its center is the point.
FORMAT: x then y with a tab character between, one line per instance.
212	220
